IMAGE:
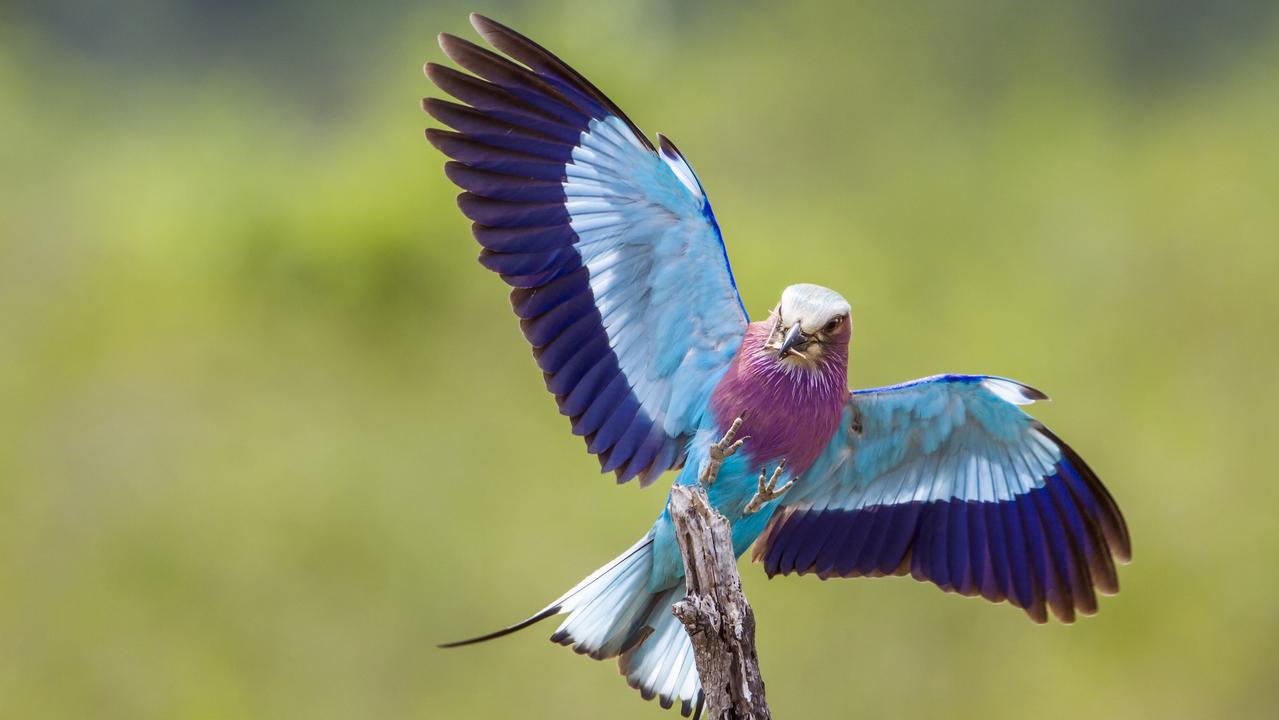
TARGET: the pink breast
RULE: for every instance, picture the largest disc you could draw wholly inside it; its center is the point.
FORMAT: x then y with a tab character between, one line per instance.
787	414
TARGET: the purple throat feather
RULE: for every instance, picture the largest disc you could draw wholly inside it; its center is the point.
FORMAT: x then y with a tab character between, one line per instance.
790	408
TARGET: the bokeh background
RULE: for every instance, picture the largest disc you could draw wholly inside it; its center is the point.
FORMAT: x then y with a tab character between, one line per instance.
268	433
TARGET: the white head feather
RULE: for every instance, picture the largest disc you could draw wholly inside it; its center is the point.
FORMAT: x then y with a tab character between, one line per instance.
812	306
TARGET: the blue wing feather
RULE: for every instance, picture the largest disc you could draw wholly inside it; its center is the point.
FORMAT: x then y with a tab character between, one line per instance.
620	272
947	479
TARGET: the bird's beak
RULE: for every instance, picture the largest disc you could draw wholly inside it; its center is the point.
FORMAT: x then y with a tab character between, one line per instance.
795	336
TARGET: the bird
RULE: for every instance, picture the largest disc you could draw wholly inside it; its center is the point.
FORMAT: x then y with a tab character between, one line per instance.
620	278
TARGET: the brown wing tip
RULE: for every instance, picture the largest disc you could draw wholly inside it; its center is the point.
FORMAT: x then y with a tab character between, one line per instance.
484	25
445	40
668	147
438	138
1033	393
457	48
434	71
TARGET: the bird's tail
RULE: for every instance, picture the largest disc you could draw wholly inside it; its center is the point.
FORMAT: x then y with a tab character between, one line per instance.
613	612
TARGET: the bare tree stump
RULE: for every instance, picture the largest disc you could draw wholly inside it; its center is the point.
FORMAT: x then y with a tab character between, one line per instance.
715	613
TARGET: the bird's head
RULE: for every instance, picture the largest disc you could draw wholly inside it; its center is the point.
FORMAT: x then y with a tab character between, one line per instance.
810	325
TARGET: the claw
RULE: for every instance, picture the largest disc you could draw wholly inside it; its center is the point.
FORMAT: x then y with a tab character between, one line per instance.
768	489
721	450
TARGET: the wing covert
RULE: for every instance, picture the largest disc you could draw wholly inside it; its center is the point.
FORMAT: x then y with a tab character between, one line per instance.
619	273
947	479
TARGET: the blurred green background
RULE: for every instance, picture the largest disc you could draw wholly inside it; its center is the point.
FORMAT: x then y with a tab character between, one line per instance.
270	433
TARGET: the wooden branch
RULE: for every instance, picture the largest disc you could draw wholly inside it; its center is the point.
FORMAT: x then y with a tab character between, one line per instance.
715	613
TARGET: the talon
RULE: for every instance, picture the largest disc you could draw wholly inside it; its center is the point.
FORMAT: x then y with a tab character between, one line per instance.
732	449
771	485
768	489
781	490
732	433
719	451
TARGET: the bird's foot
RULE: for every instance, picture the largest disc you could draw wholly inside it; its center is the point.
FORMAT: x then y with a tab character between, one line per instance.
721	450
768	490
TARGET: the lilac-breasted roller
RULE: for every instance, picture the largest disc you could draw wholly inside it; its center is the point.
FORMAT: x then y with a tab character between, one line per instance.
622	285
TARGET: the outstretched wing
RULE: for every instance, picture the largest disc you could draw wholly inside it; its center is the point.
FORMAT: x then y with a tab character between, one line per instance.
947	479
618	269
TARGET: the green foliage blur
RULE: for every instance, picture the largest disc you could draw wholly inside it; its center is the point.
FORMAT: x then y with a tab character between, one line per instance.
270	434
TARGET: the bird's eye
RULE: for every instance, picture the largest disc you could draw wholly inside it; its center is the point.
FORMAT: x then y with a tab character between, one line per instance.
833	325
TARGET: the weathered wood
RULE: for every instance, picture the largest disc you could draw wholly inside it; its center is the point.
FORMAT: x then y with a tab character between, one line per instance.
715	613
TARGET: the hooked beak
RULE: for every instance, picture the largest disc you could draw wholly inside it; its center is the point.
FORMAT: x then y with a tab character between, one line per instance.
795	336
